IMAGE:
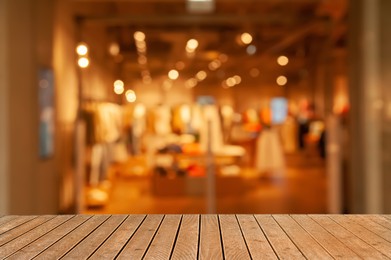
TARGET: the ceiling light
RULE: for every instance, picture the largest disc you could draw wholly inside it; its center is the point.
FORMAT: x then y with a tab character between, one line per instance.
201	75
173	74
82	49
246	38
251	49
83	62
118	87
254	72
237	79
192	44
214	65
147	79
282	80
139	36
142	59
191	83
114	49
282	60
230	82
130	96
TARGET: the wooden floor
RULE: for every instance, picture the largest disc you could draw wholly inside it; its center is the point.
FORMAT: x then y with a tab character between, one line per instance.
196	237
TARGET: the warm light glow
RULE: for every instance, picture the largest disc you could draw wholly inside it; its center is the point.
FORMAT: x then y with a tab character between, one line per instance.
142	60
173	74
139	36
191	83
130	96
282	60
251	49
223	57
282	80
82	49
230	82
147	80
118	87
201	75
246	38
254	72
114	49
237	79
180	65
139	111
83	62
192	44
214	65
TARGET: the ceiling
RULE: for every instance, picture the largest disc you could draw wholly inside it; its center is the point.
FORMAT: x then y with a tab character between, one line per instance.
299	29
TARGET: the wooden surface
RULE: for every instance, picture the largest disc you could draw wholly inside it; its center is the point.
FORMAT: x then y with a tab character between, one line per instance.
196	237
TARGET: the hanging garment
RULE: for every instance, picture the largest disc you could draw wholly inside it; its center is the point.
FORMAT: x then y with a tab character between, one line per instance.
269	154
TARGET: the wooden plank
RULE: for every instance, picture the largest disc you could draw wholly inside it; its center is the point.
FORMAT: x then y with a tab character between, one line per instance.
92	242
234	246
256	241
5	219
17	244
21	229
164	241
13	221
309	247
371	225
210	239
39	245
61	247
139	243
335	247
358	246
114	244
369	237
280	242
186	246
380	219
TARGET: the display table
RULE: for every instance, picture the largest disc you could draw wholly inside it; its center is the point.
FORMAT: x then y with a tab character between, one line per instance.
196	236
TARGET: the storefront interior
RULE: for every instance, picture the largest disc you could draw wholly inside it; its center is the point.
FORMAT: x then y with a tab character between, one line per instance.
172	93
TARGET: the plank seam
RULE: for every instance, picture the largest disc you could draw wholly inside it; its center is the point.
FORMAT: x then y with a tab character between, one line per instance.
199	237
153	237
127	242
55	242
291	238
264	233
357	237
28	220
245	242
361	224
41	236
28	230
111	233
221	237
176	237
69	250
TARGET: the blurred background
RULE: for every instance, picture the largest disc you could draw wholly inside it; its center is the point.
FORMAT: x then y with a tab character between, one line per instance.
195	106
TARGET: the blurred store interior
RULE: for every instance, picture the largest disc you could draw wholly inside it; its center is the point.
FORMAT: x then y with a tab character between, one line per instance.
195	106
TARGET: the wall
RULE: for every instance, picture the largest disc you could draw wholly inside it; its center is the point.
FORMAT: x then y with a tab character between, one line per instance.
4	166
31	183
66	99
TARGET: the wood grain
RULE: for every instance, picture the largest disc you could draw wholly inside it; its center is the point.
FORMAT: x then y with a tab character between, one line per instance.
210	240
234	246
10	222
257	243
310	248
63	246
139	243
186	246
357	245
280	242
39	245
92	242
114	244
335	247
